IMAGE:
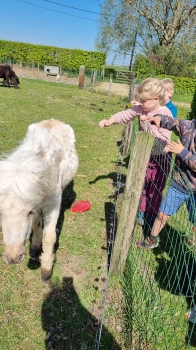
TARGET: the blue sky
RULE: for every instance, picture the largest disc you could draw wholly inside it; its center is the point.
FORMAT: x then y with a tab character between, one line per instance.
49	23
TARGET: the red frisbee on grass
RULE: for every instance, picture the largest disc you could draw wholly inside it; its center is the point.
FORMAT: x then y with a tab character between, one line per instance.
80	206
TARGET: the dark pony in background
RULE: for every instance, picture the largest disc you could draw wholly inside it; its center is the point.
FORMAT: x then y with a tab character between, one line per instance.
8	75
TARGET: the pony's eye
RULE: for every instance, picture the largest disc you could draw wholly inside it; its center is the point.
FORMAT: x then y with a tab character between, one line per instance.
32	212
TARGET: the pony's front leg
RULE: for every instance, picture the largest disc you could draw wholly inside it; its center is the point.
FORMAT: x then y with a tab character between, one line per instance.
7	81
48	241
36	240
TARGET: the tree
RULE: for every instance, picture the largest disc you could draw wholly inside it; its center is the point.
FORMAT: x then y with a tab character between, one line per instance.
118	29
178	61
162	23
193	107
168	19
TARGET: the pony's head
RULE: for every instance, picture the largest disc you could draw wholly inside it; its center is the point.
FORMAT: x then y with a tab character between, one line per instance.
24	184
16	222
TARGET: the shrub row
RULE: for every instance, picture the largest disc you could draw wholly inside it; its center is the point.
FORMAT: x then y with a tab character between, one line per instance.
187	85
109	71
24	52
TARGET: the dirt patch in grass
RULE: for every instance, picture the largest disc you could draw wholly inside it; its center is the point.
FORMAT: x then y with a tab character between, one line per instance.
116	89
182	104
35	73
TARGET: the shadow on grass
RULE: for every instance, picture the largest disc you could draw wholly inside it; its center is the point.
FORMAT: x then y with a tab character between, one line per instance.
113	176
111	226
176	271
119	181
68	197
68	325
110	208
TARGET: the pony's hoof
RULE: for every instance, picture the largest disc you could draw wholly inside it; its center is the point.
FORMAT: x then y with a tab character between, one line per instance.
35	254
46	275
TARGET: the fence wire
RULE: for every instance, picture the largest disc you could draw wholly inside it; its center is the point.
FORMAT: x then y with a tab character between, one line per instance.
66	75
159	285
120	183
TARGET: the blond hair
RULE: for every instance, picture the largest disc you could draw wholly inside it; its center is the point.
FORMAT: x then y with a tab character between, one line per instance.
151	88
168	84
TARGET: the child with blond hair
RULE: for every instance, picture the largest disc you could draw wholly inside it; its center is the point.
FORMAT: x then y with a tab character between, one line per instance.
169	91
151	97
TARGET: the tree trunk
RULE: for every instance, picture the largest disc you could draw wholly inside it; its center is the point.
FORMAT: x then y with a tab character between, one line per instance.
132	52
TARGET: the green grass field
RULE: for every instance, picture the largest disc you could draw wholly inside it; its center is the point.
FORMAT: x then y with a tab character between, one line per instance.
183	98
62	314
121	68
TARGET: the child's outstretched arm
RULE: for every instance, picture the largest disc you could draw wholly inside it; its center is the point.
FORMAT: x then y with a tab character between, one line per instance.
104	123
155	120
113	120
166	122
107	122
121	117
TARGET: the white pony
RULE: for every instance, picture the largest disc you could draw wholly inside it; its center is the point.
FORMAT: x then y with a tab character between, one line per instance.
32	179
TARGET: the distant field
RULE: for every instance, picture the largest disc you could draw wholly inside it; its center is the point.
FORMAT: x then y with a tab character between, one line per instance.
121	68
186	98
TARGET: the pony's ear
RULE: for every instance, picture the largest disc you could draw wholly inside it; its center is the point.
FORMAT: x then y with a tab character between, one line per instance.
32	127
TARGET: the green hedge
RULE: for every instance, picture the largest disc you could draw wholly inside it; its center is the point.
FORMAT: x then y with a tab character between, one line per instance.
192	113
109	71
71	58
187	85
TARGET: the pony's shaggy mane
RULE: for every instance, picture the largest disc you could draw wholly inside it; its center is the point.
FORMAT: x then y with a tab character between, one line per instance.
28	178
25	171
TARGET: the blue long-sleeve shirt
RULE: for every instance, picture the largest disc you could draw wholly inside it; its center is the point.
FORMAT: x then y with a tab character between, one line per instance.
173	109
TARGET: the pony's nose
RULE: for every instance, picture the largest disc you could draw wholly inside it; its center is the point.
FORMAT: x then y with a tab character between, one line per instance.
16	260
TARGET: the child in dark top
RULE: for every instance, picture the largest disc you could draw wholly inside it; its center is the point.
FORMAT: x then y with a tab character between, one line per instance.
183	182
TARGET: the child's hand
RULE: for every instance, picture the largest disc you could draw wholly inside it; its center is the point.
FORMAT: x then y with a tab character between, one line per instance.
104	123
156	120
174	147
135	103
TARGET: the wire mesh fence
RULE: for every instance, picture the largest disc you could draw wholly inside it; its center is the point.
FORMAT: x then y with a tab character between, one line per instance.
160	290
120	184
160	283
